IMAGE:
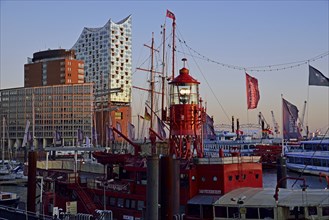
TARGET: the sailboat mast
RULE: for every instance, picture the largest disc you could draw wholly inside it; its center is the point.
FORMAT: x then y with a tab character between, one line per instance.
152	72
152	80
173	48
163	116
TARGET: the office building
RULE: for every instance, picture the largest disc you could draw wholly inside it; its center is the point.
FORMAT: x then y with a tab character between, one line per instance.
53	67
62	108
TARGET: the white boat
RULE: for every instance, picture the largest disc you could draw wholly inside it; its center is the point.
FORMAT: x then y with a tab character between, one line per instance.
4	170
267	203
311	157
9	169
9	199
245	148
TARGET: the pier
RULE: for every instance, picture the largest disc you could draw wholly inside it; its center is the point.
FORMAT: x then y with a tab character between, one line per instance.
14	182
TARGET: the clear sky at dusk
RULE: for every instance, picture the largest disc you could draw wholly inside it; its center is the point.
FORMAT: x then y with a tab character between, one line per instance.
239	33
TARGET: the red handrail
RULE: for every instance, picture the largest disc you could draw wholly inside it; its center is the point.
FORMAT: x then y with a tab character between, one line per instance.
325	176
276	195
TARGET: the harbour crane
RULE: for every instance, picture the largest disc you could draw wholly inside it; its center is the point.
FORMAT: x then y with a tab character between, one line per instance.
275	124
263	122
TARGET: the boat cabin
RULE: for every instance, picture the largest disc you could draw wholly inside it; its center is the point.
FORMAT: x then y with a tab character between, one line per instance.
259	203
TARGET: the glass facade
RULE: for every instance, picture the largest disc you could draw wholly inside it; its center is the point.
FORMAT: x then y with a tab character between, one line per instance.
61	108
107	55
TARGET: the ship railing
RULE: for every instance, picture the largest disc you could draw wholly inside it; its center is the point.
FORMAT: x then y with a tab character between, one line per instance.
104	215
82	216
227	160
236	215
123	186
10	213
78	216
179	217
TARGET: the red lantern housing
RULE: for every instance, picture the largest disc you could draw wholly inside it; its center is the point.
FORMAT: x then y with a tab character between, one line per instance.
185	116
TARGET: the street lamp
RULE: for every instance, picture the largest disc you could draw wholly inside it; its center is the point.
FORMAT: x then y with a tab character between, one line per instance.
105	184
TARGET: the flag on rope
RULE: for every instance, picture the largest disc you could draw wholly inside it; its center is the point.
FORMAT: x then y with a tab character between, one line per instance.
110	133
316	78
29	137
208	128
25	138
170	15
147	115
118	125
79	135
57	136
290	116
88	142
94	133
131	131
161	130
252	92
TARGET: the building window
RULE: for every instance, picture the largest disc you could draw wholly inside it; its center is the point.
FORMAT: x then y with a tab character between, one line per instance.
118	115
140	205
266	213
325	211
221	211
193	210
133	204
127	203
233	212
312	210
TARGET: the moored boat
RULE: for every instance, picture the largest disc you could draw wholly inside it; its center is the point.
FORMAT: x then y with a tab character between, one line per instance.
9	199
311	157
258	203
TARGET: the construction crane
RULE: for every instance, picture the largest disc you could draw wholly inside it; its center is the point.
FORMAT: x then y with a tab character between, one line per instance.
263	122
275	124
301	120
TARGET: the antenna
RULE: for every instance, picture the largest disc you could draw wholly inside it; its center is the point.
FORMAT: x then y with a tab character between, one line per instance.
184	61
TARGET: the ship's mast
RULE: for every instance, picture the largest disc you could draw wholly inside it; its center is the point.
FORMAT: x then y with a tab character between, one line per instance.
173	47
152	72
152	80
163	113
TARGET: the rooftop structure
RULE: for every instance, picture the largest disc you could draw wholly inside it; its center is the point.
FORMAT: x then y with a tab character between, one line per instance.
107	54
53	67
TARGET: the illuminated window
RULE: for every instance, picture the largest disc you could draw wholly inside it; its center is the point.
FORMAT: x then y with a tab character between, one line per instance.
118	115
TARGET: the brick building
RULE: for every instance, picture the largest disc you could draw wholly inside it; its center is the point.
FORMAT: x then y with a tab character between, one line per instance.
53	67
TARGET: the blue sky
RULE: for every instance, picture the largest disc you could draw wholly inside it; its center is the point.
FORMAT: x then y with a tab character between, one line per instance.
240	33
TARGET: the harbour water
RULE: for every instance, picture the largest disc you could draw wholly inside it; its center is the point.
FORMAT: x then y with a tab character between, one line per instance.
269	181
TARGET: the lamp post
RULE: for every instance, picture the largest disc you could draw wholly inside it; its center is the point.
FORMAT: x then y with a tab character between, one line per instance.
105	184
104	195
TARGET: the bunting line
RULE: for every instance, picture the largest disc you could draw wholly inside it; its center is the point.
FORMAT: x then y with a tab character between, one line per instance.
265	68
